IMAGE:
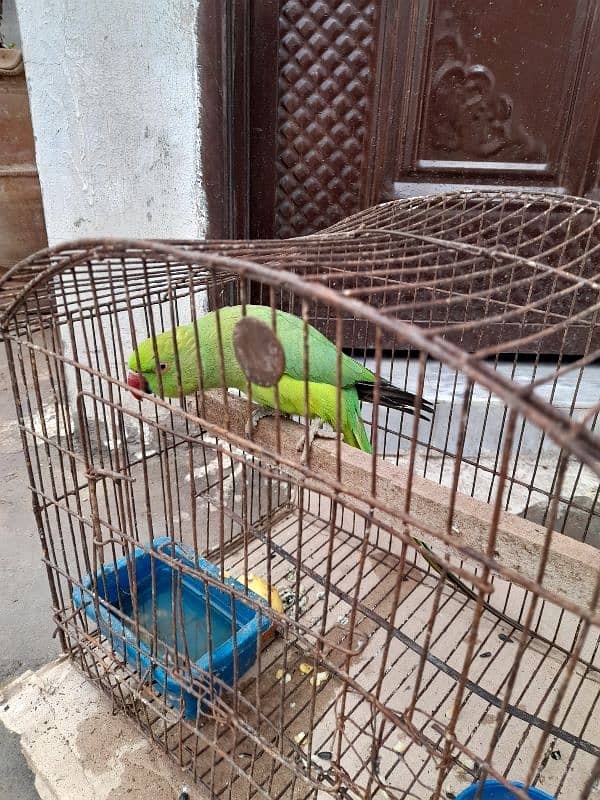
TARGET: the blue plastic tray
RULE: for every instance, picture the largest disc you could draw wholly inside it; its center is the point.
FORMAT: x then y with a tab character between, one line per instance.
114	586
494	790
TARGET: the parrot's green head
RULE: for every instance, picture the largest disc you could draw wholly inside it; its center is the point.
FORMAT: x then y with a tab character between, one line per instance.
143	377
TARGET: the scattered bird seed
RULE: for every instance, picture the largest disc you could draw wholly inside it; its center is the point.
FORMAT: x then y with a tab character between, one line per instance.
292	705
487	654
325	755
321	678
281	675
300	737
291	576
555	754
401	746
505	638
343	619
305	668
302	603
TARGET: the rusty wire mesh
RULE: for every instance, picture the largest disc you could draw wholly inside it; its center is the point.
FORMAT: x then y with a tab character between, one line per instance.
384	679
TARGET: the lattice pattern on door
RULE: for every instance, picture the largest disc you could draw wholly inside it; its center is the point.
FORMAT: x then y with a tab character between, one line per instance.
325	73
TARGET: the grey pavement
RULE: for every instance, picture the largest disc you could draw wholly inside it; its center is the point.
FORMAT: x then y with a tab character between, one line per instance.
25	621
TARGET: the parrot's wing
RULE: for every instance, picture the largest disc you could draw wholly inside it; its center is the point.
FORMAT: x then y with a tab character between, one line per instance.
322	354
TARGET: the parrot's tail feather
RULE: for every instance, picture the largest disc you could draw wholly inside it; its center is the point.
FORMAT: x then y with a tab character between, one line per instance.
353	427
356	436
392	397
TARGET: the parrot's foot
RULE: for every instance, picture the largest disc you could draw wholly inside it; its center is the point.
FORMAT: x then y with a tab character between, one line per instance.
315	430
259	413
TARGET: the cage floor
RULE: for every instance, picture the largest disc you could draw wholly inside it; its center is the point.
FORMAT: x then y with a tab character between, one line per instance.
299	721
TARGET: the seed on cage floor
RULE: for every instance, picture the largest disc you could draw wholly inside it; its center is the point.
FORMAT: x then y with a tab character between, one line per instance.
504	637
486	654
280	675
320	678
401	746
343	619
300	737
291	576
556	755
287	598
453	785
305	668
303	602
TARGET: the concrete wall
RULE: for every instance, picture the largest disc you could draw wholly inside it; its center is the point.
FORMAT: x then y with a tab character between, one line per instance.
9	27
115	107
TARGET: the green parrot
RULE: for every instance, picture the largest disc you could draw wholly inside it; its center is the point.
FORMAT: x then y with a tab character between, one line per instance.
357	380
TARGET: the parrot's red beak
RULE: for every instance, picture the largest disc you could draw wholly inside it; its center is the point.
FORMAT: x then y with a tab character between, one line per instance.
137	384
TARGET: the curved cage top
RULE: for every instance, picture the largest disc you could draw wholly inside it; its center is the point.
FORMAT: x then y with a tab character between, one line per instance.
460	265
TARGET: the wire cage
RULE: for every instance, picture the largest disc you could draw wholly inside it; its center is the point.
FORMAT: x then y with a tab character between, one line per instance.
396	623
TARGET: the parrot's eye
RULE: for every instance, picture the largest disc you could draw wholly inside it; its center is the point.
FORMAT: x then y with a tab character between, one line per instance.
163	366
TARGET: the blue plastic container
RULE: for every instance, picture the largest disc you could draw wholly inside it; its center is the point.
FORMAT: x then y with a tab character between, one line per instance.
114	586
494	790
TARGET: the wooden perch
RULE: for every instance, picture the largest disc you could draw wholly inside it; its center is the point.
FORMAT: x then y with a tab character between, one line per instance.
572	567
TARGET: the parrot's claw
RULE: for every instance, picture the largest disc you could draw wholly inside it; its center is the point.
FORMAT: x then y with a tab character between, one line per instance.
259	413
315	430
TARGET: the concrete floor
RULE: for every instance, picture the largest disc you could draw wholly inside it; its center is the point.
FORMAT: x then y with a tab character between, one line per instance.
25	621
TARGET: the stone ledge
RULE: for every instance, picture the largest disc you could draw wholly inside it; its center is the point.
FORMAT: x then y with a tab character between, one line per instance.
75	746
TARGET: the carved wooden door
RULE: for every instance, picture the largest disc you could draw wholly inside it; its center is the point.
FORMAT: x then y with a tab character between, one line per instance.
496	92
334	105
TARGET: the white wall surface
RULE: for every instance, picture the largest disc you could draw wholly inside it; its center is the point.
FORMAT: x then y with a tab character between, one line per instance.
115	109
9	27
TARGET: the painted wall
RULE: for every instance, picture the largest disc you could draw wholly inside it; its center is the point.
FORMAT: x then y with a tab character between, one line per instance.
115	108
9	27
